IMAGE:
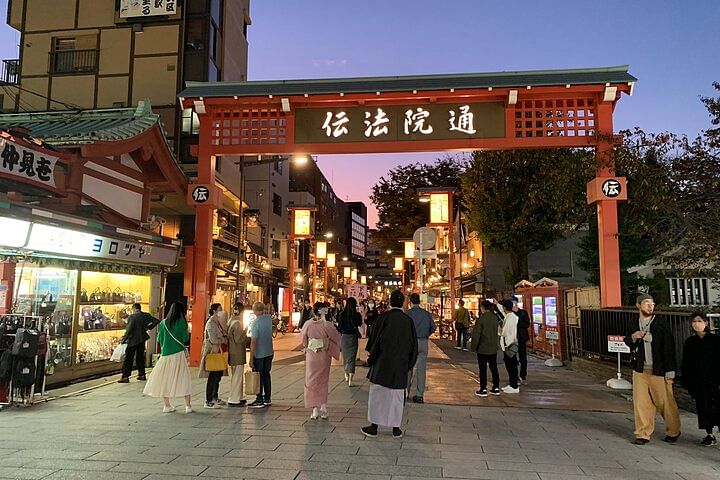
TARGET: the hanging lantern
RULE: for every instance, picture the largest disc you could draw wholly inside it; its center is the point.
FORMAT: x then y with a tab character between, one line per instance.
331	260
321	250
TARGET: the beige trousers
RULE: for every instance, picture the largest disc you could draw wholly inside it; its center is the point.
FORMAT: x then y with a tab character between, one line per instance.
652	394
236	384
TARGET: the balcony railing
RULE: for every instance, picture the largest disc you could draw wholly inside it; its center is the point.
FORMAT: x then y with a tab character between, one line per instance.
10	71
74	61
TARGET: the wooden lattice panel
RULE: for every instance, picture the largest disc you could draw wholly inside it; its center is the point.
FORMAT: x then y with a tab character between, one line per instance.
249	127
554	118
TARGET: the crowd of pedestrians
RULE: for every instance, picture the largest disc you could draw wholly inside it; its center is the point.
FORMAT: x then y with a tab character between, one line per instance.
397	348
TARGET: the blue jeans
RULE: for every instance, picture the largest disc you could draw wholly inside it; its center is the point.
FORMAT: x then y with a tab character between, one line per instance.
263	366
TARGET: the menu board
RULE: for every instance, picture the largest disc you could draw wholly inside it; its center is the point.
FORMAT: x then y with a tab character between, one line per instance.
551	311
537	309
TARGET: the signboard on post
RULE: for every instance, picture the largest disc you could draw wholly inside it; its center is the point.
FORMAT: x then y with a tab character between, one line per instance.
616	344
552	334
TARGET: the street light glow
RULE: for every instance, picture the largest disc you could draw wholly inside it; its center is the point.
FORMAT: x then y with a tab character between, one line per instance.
301	159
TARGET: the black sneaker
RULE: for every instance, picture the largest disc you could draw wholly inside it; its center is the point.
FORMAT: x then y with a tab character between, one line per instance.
257	404
369	431
482	392
670	439
241	403
397	433
495	391
418	399
709	441
267	403
641	441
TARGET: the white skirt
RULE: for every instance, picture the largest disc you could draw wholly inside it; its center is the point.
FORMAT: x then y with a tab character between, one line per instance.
170	377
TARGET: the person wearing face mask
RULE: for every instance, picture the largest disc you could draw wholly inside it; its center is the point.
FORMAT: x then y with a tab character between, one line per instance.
370	317
701	375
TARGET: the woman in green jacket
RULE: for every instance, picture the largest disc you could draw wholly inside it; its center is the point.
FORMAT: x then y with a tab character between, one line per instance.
171	376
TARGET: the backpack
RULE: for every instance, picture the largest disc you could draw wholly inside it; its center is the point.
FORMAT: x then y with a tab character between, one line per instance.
23	372
26	343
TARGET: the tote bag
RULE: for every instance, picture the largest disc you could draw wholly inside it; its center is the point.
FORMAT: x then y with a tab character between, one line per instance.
118	354
252	382
216	362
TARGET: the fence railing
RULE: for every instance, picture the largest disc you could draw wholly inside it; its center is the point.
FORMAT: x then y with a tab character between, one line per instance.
74	61
590	338
9	72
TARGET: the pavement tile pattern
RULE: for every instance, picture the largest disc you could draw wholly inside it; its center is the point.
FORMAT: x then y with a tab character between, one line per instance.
560	427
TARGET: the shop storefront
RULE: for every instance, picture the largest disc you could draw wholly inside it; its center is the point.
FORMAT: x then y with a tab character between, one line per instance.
83	278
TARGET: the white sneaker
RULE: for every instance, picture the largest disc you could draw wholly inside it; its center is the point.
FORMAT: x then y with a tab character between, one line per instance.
510	389
169	409
323	414
212	406
314	414
188	409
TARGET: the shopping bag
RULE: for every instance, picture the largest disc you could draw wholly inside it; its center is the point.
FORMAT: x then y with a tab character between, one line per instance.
216	362
252	382
118	354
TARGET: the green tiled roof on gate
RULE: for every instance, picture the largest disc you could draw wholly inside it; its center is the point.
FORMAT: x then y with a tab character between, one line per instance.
583	76
69	127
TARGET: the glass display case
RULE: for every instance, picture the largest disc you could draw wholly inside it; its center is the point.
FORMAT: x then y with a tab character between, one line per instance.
105	303
50	293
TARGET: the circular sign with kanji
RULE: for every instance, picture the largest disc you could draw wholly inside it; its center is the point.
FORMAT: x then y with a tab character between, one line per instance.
201	194
611	188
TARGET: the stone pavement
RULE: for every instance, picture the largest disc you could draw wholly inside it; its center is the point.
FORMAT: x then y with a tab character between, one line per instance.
114	433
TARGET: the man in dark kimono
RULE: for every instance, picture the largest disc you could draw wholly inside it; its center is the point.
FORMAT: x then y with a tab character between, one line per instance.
393	352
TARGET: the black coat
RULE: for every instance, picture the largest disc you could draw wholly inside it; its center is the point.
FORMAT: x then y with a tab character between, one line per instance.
137	327
663	347
349	322
523	325
394	349
701	377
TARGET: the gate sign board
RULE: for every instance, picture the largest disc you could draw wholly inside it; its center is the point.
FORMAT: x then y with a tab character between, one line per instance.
27	165
611	188
147	8
400	123
551	334
616	344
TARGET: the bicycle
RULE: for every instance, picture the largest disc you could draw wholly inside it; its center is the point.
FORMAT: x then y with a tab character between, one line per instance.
445	330
278	326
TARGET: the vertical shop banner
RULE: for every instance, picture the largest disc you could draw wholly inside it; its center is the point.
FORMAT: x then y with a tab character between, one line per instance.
26	164
537	309
551	311
147	8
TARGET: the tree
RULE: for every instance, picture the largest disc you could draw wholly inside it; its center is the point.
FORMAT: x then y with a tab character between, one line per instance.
521	201
713	105
395	197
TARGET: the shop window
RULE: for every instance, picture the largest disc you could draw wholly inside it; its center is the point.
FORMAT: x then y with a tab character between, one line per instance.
106	301
49	293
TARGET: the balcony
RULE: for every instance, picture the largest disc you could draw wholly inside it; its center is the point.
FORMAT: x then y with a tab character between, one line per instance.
9	72
74	61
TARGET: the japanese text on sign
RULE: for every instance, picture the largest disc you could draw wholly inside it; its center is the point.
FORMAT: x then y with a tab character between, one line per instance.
616	344
27	164
147	8
400	123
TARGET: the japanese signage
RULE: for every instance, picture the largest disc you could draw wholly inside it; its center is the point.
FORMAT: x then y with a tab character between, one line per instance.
399	264
400	123
321	250
26	164
359	292
301	223
409	248
552	334
616	344
614	188
331	260
201	194
147	8
439	208
50	239
551	319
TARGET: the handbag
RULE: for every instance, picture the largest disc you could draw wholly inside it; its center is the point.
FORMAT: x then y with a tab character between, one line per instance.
117	296
118	354
512	350
252	382
84	296
216	362
96	296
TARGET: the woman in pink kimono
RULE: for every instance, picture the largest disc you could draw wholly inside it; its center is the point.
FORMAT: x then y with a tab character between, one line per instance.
321	341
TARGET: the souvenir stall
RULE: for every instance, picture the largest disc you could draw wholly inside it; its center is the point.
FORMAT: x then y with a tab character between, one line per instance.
23	352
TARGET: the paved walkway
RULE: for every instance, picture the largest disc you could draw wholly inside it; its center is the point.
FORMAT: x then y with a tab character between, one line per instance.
114	433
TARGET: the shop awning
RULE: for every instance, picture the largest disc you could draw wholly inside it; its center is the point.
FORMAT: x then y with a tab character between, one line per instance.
257	249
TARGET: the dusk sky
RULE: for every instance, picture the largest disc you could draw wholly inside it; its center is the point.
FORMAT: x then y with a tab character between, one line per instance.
671	47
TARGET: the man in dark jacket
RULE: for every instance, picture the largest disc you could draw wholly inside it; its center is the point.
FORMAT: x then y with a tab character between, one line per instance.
135	337
393	354
486	342
523	337
653	347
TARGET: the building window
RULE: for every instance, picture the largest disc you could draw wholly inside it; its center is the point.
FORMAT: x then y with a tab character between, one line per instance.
190	122
74	55
688	292
277	204
276	249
